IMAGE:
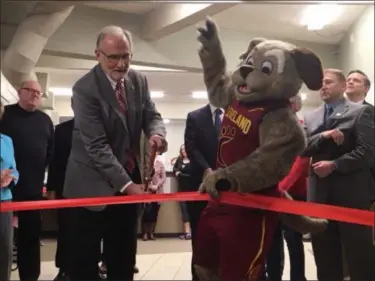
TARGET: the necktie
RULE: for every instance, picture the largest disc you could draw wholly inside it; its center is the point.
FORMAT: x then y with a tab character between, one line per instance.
328	113
120	94
218	113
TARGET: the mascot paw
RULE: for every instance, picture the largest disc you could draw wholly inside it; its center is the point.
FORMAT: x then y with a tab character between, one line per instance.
209	31
217	181
208	36
205	274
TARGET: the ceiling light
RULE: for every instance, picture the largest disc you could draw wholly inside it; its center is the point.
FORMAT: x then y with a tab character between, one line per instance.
67	92
152	68
303	96
315	17
199	95
157	94
166	121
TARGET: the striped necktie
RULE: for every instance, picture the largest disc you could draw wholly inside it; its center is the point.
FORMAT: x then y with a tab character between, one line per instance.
120	94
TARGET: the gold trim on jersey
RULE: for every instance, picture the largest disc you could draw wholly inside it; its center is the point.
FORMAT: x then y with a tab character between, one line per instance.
254	270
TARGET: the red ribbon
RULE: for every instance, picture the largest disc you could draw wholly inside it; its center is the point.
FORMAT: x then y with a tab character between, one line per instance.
282	205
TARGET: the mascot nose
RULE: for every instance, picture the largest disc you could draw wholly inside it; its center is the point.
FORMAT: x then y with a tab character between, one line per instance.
245	70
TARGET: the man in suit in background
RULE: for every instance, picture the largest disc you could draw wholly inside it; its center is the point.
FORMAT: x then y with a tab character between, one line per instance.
55	186
201	142
357	86
341	144
112	106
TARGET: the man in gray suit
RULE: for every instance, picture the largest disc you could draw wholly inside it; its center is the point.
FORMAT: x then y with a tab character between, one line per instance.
341	144
112	106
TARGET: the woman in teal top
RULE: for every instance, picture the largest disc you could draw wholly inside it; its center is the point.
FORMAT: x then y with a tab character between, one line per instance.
8	179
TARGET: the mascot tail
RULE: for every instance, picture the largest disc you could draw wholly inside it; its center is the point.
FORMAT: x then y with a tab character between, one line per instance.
303	224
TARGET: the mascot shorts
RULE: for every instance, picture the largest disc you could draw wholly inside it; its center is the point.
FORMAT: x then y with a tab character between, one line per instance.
234	241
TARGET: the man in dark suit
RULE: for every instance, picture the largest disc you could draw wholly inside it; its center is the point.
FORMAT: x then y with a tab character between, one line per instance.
112	106
201	143
341	144
55	186
357	86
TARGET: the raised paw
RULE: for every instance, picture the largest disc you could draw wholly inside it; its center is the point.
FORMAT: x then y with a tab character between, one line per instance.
209	37
209	31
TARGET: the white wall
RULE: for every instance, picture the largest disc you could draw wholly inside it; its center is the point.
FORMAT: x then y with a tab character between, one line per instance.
167	109
176	112
357	48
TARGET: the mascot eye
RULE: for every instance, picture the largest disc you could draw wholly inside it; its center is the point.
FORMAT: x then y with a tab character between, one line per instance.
267	67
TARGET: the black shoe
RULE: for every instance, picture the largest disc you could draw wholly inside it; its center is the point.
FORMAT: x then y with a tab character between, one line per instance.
61	276
136	270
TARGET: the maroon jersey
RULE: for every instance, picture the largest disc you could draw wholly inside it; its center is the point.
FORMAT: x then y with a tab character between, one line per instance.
239	138
239	135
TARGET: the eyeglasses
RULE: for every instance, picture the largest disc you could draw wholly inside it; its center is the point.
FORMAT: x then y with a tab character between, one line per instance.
32	91
116	58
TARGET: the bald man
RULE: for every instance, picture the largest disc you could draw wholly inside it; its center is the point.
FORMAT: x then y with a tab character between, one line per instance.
112	106
32	133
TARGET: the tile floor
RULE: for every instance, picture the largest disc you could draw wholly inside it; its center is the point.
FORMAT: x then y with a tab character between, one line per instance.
164	259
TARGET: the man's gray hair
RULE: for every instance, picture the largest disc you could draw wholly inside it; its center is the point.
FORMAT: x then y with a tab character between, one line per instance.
114	30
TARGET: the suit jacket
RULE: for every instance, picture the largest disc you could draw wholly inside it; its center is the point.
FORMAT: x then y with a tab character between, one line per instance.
103	134
373	167
201	143
57	168
351	184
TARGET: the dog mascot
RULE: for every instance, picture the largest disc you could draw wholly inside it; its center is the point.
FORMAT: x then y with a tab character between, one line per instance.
259	141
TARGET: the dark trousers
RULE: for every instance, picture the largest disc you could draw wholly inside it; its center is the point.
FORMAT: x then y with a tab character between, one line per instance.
355	241
62	253
6	244
150	212
194	210
28	244
184	212
276	256
116	225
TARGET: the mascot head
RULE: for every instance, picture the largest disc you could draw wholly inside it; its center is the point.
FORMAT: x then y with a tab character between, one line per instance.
275	70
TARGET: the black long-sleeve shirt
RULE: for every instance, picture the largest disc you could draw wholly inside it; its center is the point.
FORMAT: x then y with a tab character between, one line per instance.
32	134
184	177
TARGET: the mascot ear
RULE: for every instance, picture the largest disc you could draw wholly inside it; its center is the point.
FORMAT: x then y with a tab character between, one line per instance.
252	44
309	67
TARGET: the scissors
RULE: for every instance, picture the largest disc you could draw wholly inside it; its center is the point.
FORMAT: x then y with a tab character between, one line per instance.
150	171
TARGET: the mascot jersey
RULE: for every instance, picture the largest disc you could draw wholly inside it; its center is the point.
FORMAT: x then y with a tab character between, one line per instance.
239	137
232	239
